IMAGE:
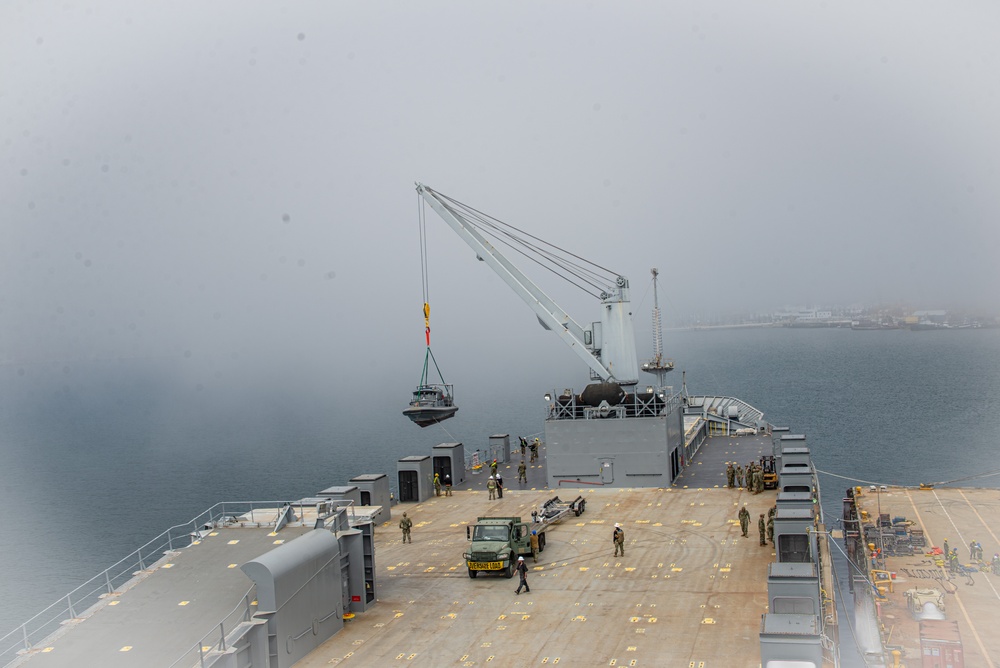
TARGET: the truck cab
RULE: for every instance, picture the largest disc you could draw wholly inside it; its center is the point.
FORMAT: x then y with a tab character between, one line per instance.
496	544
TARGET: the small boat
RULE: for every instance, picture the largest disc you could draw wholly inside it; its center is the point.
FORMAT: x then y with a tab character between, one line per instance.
431	404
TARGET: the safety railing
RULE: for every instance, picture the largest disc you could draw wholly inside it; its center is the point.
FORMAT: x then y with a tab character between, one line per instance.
79	602
215	640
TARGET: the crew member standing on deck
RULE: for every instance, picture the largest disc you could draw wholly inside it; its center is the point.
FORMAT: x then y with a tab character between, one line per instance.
447	484
522	472
730	475
522	571
405	525
524	445
770	530
619	539
761	527
534	546
437	485
739	475
996	564
491	486
744	520
499	485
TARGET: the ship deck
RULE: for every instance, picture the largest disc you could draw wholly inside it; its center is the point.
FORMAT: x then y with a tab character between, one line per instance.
960	516
690	590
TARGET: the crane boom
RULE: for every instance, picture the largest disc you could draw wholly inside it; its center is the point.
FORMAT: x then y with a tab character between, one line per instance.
616	348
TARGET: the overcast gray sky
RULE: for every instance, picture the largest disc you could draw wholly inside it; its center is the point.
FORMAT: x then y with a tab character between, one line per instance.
213	180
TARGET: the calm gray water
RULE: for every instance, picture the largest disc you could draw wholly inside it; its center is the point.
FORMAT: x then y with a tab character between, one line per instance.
99	457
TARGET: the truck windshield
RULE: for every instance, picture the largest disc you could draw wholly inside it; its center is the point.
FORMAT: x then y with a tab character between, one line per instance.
489	532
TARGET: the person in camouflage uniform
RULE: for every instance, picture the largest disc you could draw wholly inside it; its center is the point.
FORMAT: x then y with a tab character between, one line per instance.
522	472
405	524
619	538
744	520
762	528
730	475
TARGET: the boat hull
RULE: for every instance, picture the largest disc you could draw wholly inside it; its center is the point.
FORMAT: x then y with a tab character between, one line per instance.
424	416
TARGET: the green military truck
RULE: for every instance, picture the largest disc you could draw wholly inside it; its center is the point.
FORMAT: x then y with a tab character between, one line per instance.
497	542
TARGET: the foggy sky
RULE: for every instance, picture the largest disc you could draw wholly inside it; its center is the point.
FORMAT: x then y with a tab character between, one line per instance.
227	182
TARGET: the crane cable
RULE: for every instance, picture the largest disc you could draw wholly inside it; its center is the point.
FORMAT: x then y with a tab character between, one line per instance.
424	282
425	287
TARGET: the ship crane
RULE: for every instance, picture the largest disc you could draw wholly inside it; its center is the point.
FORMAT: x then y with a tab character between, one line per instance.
607	347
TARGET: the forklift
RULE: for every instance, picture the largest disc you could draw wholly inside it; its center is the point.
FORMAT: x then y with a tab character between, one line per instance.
770	475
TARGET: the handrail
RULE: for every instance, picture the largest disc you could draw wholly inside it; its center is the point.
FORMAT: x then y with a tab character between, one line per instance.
81	600
219	632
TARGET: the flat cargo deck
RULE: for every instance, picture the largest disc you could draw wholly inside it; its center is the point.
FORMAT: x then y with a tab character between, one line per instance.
690	589
960	516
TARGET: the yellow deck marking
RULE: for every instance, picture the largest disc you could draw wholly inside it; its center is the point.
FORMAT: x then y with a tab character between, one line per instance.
168	565
275	533
958	598
196	542
233	542
724	570
48	649
183	602
579	618
232	566
114	602
708	620
214	533
126	648
631	648
642	521
278	542
584	568
677	569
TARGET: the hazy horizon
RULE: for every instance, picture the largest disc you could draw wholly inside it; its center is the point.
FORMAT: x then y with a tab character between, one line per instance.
228	185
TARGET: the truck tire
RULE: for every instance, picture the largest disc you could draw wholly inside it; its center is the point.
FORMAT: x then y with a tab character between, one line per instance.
541	543
473	574
509	573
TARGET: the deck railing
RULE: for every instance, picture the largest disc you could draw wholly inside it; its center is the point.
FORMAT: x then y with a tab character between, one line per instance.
78	603
215	640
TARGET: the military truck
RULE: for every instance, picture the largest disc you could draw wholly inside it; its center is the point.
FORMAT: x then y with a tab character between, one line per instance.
497	542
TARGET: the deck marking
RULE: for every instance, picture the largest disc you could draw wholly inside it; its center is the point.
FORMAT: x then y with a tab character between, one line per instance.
231	566
958	599
214	533
986	526
168	565
114	602
183	602
126	648
47	649
233	542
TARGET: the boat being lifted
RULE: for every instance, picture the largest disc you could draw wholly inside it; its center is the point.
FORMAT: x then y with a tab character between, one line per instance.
431	404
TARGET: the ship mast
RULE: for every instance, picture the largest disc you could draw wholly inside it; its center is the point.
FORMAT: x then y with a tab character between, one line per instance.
657	366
